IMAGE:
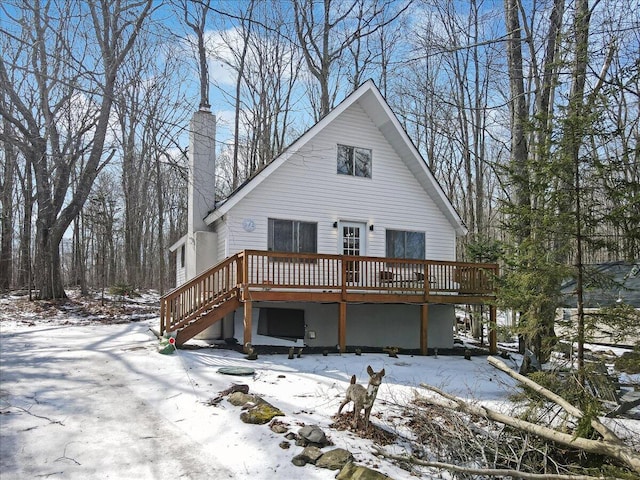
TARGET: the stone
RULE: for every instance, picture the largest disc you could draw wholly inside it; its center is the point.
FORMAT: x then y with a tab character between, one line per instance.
299	461
261	414
278	428
239	398
335	459
285	445
291	436
314	435
351	471
308	455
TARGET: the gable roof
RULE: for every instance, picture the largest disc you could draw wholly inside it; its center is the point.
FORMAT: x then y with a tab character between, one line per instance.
371	100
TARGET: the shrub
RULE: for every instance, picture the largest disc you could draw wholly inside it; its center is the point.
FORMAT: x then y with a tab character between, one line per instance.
629	362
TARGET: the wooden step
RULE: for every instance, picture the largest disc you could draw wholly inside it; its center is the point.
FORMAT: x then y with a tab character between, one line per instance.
204	321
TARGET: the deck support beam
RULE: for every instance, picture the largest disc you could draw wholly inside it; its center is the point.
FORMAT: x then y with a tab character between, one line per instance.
248	321
424	329
493	330
342	326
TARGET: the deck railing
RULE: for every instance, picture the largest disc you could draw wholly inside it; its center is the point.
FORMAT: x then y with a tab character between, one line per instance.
318	272
359	273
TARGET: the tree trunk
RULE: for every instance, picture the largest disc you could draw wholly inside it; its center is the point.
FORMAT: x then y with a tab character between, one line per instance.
48	274
518	107
24	269
6	223
574	137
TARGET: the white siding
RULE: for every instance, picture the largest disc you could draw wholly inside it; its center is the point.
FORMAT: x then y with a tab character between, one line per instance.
180	273
306	187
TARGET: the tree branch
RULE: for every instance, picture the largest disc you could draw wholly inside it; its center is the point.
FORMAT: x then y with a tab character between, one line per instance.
500	472
606	433
615	450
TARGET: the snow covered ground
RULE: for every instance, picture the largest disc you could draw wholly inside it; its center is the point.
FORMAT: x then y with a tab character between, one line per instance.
85	398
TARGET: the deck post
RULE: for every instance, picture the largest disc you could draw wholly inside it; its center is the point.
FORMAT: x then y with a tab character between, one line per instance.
493	331
163	319
248	317
424	327
342	326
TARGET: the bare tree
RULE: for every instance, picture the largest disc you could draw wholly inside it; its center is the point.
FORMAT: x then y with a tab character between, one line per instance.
195	14
6	214
73	52
327	31
266	66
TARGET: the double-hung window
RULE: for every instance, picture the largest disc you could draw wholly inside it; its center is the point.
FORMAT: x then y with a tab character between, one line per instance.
403	244
292	236
354	161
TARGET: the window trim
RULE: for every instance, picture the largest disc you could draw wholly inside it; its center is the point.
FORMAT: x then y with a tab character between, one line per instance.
295	239
404	247
353	165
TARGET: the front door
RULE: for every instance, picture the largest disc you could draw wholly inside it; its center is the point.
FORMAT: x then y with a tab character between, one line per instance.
353	243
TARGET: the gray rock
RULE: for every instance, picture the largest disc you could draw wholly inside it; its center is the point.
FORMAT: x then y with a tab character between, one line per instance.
351	471
299	461
279	428
239	398
309	455
335	459
312	453
285	445
314	435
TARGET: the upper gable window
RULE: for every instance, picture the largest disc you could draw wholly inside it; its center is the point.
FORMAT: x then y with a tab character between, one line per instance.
354	161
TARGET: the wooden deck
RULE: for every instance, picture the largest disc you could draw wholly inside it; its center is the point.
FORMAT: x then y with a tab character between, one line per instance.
253	275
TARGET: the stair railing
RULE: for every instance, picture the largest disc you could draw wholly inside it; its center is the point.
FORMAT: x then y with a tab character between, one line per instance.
200	294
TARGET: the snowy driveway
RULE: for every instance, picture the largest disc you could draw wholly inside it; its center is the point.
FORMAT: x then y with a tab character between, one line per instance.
69	408
84	400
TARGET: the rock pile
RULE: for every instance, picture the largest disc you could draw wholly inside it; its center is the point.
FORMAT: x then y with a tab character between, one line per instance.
312	438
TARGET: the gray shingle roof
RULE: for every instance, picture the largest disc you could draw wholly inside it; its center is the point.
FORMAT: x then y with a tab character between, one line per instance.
606	284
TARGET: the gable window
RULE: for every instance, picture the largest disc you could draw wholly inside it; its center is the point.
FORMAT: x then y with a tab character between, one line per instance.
354	161
292	236
402	244
182	249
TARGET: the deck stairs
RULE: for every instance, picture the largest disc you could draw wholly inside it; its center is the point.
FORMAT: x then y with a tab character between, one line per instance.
201	302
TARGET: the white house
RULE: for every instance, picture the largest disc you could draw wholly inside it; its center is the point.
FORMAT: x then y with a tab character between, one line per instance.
353	185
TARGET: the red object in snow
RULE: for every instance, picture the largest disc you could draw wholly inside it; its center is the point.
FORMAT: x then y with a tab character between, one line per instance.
172	341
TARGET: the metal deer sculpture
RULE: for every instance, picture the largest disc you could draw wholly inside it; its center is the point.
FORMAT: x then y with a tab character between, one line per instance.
361	397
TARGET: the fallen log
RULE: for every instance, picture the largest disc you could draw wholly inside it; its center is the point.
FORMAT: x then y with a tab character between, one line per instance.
603	430
611	448
491	472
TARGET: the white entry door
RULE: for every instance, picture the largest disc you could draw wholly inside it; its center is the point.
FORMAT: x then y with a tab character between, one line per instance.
353	242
